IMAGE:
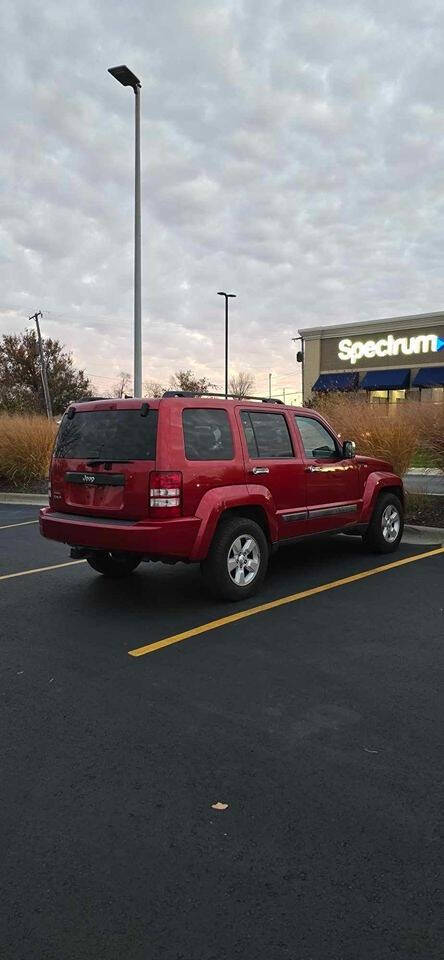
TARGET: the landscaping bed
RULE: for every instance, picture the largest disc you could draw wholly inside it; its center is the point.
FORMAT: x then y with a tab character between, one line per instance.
424	510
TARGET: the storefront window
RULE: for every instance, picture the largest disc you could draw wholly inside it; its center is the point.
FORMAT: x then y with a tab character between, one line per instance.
387	396
379	396
396	396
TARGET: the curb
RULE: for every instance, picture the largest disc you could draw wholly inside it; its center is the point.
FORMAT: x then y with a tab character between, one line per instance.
414	534
424	472
30	499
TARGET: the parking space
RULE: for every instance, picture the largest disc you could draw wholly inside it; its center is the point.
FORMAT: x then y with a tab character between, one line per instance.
315	721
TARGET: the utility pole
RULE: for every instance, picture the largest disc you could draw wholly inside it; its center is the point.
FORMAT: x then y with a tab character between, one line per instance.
269	384
43	372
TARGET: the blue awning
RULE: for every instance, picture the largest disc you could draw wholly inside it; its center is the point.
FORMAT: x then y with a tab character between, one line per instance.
336	381
429	377
385	380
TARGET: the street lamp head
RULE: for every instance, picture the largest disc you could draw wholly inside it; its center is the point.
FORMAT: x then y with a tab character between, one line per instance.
125	76
221	293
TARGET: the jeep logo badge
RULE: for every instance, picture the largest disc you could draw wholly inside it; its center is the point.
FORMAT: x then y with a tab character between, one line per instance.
88	478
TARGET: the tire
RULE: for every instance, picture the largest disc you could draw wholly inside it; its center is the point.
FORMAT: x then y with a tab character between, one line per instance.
386	526
114	564
232	537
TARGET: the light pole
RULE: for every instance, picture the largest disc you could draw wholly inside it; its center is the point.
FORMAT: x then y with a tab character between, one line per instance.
128	79
227	296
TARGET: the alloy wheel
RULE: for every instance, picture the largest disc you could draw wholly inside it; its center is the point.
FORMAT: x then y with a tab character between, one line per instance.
243	560
391	523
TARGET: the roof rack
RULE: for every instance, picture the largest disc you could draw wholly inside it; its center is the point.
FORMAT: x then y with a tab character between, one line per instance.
210	393
88	399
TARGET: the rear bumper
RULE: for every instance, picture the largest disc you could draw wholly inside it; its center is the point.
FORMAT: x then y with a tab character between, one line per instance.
168	538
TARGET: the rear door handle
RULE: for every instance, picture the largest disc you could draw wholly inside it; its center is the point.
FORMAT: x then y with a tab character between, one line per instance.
257	470
313	469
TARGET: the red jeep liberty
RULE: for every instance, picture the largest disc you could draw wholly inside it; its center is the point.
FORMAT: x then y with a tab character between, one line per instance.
220	482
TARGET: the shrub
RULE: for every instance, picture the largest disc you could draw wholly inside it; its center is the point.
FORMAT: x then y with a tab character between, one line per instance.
25	447
392	432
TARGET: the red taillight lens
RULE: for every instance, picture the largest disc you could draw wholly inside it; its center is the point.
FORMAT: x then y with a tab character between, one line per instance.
166	494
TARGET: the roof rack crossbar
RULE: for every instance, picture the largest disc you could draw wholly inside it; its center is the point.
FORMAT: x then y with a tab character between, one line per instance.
211	393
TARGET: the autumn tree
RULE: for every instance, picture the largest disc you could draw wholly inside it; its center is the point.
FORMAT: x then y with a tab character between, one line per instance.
21	388
241	384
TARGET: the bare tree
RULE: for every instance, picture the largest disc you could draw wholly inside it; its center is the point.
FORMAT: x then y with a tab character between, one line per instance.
187	380
152	388
119	388
241	384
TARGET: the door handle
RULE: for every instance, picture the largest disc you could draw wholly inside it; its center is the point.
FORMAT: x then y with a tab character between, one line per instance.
257	470
313	469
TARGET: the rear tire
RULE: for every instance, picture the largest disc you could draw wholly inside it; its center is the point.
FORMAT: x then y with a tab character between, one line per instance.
384	532
114	564
237	560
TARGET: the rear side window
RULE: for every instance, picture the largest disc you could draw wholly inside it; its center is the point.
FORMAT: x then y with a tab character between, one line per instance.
207	435
266	434
317	441
108	435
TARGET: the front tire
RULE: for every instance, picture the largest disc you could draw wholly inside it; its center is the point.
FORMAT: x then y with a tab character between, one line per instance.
113	564
237	560
385	529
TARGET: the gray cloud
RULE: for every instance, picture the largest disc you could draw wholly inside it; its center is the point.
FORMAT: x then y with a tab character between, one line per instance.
291	152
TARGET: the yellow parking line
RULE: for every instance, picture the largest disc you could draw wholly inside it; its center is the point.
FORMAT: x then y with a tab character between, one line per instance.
54	566
24	523
263	607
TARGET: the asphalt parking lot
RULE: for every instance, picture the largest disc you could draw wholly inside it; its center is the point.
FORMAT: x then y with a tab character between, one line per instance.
315	721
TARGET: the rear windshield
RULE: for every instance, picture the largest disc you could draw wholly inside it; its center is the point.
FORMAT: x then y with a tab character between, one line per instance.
108	435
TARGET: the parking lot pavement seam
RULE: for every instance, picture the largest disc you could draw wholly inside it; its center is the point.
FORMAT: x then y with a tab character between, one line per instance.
280	602
23	523
53	566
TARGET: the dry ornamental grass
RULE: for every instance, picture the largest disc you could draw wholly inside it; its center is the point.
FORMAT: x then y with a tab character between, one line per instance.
393	432
25	447
434	433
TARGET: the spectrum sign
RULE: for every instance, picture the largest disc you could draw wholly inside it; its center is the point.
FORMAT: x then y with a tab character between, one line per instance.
389	346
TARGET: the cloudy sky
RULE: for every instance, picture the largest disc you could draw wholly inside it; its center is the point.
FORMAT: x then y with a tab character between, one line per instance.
292	152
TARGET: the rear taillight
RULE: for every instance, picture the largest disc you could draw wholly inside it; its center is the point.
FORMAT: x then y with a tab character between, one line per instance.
166	494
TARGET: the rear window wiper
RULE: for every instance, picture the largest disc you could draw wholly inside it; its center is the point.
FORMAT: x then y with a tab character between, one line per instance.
96	463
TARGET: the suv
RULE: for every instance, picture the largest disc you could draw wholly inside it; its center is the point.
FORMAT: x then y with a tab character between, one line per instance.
220	482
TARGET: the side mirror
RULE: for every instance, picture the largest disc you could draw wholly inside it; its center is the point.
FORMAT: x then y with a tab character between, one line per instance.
348	449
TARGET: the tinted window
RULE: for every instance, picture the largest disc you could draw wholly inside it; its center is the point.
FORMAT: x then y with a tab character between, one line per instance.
317	441
207	435
249	434
108	435
266	434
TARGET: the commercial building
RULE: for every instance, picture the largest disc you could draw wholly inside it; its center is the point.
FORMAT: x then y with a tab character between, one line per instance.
391	360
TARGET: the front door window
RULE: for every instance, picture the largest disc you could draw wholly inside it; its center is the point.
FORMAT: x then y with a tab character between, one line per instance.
318	443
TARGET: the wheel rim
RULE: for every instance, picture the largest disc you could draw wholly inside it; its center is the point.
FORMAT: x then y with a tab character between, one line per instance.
243	560
391	523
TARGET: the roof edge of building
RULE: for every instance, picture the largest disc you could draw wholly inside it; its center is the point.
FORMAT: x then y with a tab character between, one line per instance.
372	326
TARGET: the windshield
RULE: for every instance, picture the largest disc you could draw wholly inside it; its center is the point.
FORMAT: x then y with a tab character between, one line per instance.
108	435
